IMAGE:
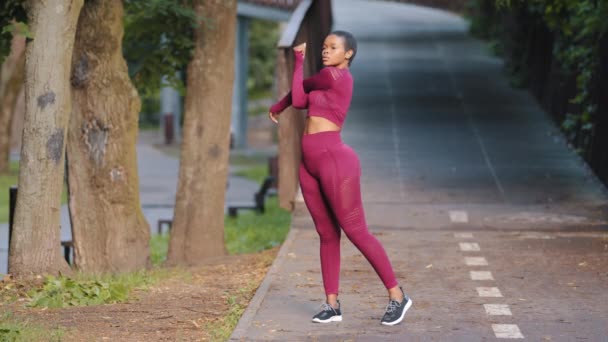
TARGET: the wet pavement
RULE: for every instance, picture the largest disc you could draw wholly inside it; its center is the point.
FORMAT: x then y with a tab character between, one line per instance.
494	226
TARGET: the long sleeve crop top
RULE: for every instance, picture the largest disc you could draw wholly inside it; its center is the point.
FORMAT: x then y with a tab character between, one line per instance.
326	94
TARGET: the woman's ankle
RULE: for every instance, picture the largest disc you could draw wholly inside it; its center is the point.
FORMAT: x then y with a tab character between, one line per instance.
396	293
333	301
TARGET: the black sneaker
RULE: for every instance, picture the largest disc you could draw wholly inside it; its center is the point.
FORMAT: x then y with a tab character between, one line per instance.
328	314
395	311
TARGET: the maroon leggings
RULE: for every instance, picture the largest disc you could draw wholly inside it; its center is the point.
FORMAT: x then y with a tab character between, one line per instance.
330	179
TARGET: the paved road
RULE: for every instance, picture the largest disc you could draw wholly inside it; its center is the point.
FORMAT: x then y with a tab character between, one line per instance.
495	228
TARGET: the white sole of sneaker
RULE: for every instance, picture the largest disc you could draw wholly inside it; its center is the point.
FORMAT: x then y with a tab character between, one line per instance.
407	306
329	320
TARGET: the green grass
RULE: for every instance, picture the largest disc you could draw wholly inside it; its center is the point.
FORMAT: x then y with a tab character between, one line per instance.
244	160
221	329
249	232
9	179
256	173
257	94
14	330
147	126
89	289
252	232
159	246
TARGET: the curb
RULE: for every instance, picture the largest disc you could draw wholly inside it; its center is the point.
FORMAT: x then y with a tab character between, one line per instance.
240	330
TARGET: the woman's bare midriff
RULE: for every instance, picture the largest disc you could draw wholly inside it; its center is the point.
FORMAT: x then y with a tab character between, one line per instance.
316	124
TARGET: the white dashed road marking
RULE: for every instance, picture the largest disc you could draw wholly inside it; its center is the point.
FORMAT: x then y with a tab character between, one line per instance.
475	261
458	216
481	275
497	309
507	331
488	292
463	235
500	330
469	246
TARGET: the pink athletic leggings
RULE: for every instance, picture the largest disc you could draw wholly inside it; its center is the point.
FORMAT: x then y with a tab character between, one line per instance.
330	180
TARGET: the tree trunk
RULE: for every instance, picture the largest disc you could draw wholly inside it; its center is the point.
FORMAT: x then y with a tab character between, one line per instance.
11	81
109	230
198	226
291	129
35	246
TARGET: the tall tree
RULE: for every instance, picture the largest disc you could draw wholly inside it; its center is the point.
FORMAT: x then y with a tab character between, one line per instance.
11	82
109	230
198	226
35	243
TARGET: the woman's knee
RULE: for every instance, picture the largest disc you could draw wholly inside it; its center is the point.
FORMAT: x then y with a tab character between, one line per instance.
358	235
328	234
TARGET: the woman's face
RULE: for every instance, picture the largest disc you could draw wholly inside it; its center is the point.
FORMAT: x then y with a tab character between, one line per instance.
333	52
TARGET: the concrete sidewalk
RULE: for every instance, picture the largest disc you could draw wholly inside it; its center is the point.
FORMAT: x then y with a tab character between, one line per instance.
494	227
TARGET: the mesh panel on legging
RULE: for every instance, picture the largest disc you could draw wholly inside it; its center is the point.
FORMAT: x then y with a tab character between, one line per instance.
340	181
330	180
327	227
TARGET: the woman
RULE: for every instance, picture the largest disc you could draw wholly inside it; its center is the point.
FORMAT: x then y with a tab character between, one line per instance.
330	173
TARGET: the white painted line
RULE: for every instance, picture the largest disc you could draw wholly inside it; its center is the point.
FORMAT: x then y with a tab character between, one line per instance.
507	331
469	246
458	216
481	275
488	292
497	309
475	261
463	235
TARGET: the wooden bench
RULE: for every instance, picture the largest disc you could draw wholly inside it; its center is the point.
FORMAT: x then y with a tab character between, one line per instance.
67	248
259	199
161	223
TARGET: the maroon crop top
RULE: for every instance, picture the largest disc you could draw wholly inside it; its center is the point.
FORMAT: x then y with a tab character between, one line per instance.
326	94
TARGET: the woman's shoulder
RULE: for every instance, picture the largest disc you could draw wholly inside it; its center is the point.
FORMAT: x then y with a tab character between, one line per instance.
334	72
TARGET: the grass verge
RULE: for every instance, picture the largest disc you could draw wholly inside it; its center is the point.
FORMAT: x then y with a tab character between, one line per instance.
159	246
252	232
14	330
83	289
221	329
58	292
256	173
249	232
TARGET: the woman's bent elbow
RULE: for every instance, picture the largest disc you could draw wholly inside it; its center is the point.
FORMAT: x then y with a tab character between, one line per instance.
299	104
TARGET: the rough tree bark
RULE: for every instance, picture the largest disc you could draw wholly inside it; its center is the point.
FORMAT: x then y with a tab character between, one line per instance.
198	226
11	81
35	246
109	230
291	128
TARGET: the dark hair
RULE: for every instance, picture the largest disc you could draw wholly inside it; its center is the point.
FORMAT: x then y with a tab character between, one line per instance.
350	43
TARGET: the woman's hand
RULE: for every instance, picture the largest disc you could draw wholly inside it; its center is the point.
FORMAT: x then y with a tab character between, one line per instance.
273	117
300	48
